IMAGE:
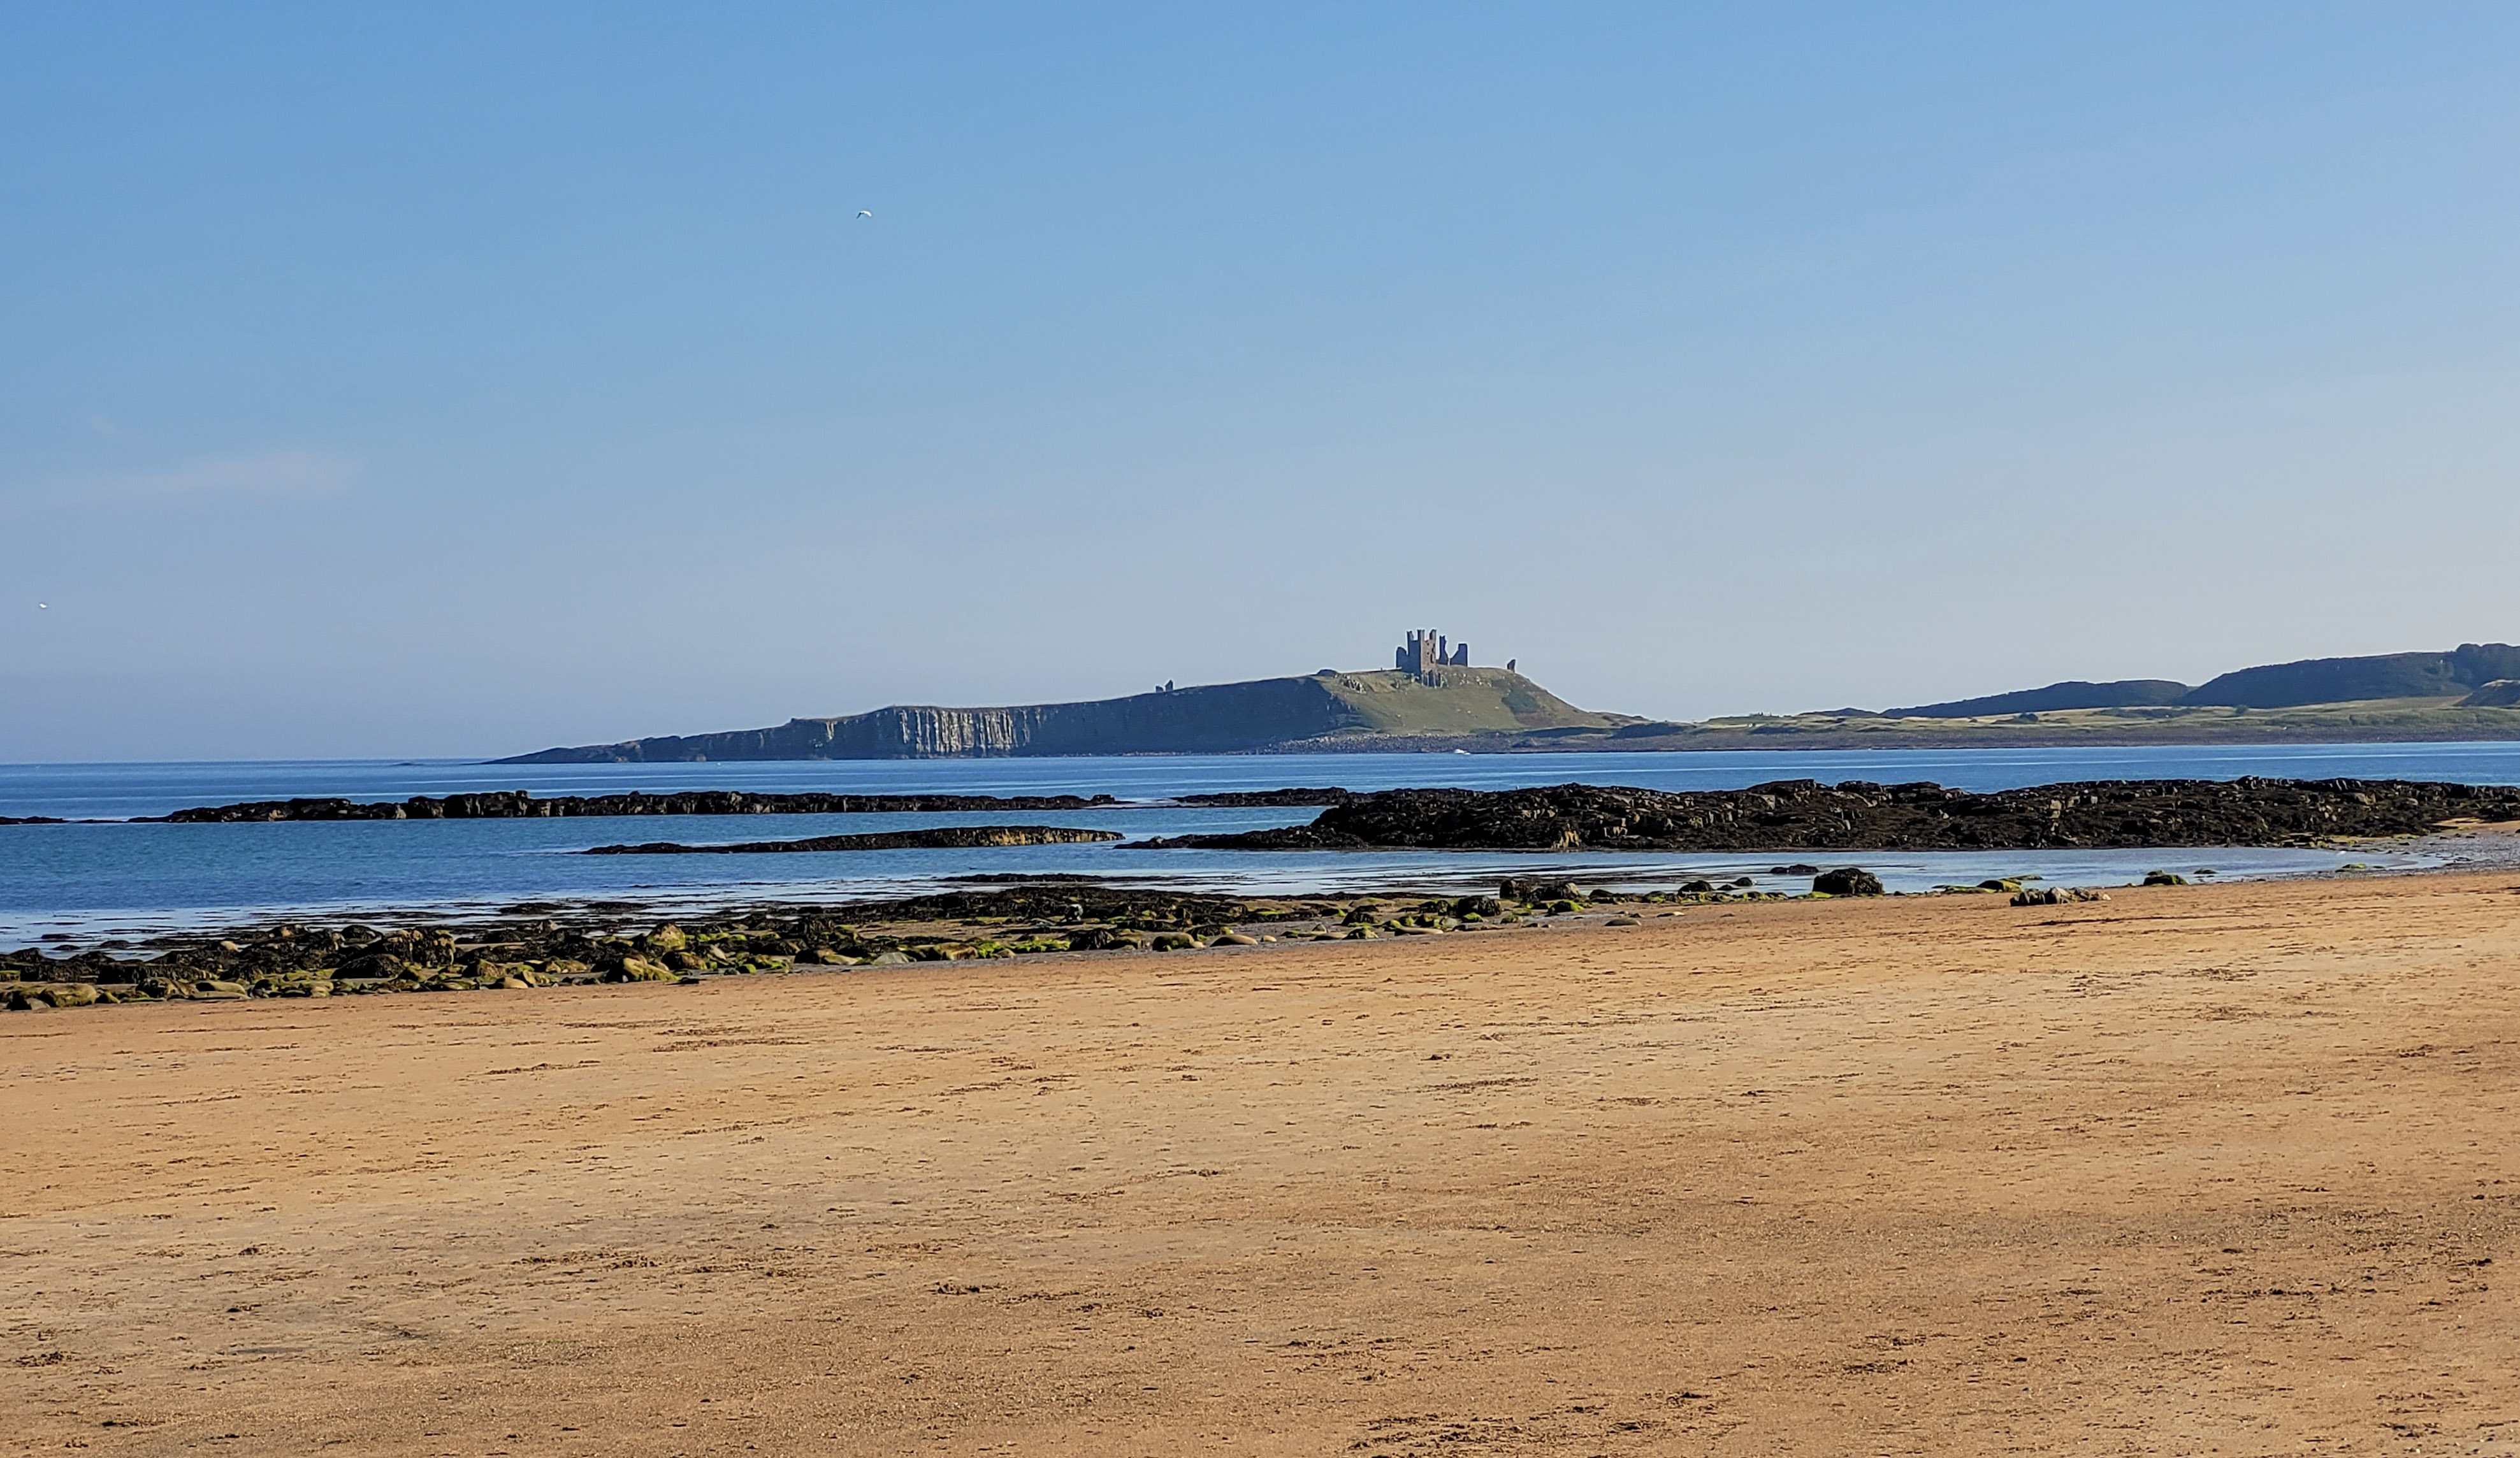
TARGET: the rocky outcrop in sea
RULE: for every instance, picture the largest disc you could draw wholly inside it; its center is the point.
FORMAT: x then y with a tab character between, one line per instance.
942	837
1806	815
1245	799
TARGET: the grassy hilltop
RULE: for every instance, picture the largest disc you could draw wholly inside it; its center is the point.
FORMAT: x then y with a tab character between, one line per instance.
1463	701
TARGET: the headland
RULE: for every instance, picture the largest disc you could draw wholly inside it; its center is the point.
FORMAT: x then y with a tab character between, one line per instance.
1432	695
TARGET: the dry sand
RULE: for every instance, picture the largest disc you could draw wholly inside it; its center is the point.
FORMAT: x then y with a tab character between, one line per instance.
2223	1168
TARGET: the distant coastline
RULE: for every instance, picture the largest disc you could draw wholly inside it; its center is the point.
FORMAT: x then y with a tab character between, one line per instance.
2365	722
1434	701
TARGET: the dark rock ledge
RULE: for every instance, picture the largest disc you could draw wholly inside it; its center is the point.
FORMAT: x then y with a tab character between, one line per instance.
949	837
1806	815
504	804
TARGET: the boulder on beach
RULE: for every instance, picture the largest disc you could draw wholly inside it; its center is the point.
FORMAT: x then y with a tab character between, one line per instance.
1847	880
639	969
2055	896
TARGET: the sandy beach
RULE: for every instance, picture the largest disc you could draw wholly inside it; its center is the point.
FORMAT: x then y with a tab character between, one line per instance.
2224	1169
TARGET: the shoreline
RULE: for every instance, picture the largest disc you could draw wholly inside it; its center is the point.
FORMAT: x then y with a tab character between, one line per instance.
556	944
136	902
124	930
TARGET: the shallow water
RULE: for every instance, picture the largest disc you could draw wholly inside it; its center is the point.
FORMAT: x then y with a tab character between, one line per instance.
87	881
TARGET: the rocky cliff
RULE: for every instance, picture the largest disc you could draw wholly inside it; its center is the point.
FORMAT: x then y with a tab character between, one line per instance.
1214	719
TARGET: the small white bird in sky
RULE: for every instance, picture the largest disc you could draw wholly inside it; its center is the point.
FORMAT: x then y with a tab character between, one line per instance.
862	212
43	605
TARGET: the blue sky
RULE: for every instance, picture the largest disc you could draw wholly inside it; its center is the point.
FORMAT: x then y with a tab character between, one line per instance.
455	381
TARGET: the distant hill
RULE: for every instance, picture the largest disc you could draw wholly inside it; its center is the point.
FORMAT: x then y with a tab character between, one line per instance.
2336	681
2274	685
1379	709
2074	694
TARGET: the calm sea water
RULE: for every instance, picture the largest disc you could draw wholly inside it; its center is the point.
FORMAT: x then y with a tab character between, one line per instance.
89	881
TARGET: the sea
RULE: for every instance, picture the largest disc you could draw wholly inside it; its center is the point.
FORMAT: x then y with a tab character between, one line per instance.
107	878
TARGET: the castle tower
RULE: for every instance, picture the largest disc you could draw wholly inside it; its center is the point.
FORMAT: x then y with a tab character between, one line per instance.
1426	651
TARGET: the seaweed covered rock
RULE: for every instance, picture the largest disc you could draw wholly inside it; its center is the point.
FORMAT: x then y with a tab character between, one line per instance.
635	968
40	997
2056	896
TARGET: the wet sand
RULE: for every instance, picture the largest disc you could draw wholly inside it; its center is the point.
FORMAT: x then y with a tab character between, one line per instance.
2217	1169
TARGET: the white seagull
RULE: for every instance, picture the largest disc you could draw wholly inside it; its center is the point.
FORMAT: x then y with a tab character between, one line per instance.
862	212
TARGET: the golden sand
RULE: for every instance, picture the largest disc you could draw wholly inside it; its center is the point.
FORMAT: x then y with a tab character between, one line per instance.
2226	1168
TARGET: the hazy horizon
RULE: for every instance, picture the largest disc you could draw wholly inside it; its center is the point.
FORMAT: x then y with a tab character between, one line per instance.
474	381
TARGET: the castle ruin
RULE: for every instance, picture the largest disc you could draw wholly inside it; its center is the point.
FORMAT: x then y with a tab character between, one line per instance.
1425	651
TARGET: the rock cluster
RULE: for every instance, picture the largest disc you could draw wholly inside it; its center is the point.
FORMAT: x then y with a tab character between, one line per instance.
1850	880
293	960
2056	896
1806	815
